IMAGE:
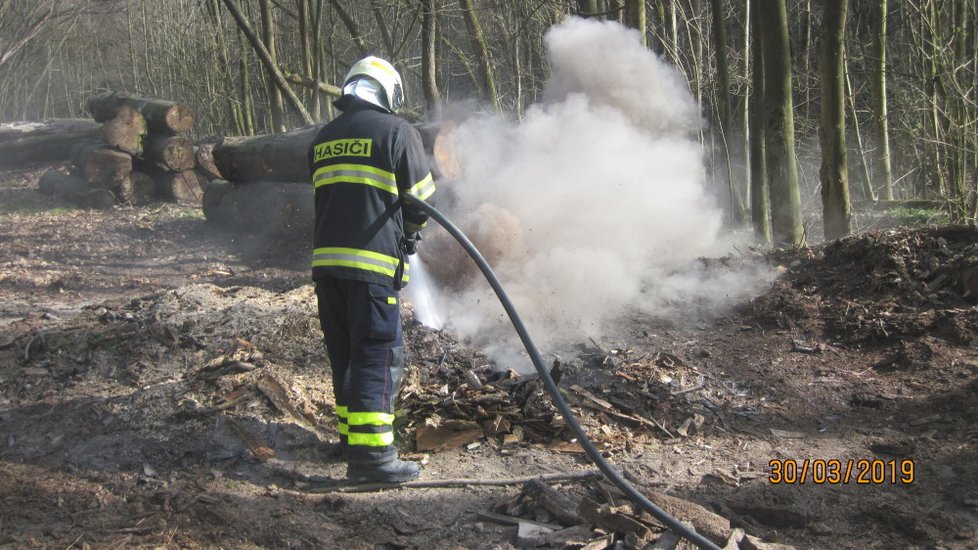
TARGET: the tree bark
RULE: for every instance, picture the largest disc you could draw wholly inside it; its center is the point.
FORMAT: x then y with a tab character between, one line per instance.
836	208
273	157
101	165
46	140
76	190
782	169
171	153
268	39
272	209
881	124
126	131
429	58
759	205
162	116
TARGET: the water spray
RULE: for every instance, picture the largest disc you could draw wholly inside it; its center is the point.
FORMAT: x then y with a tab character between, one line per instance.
592	452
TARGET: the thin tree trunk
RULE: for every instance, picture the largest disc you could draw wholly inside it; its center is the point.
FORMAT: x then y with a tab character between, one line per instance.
760	208
268	39
487	75
635	18
868	192
836	208
881	126
268	61
782	169
429	58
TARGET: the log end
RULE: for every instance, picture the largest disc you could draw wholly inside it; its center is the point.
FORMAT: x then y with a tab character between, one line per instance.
180	118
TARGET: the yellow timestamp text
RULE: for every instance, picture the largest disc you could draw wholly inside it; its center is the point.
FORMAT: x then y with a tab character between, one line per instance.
842	472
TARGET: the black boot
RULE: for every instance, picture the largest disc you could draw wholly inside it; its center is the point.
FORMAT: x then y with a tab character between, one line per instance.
395	471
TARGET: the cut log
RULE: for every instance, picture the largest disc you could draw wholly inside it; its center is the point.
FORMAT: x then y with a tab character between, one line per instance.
101	165
185	188
285	156
126	130
162	116
204	154
45	140
76	190
267	208
273	157
171	153
138	189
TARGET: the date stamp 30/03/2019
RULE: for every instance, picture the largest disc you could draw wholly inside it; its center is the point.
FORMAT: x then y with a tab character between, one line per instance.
842	472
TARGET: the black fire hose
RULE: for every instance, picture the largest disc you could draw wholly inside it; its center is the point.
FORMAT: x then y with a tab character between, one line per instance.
610	473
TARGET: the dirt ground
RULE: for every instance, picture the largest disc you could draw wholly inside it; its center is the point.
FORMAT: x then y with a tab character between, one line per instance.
162	385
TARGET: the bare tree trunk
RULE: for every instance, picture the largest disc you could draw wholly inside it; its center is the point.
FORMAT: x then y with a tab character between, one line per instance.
268	39
782	170
429	58
759	206
635	18
486	73
352	27
267	60
836	208
881	125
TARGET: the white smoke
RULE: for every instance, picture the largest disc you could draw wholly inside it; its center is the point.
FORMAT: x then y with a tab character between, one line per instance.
592	207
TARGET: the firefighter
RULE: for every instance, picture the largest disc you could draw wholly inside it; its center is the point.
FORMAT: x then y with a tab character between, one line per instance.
362	164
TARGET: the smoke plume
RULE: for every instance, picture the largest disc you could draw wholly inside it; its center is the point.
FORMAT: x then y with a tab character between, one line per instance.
592	207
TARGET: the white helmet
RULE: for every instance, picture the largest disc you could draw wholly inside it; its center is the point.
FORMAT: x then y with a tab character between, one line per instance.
377	81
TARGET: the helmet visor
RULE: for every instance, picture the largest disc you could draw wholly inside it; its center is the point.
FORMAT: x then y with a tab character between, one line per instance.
367	89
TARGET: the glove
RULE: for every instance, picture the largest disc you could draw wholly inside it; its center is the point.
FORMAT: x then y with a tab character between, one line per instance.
409	243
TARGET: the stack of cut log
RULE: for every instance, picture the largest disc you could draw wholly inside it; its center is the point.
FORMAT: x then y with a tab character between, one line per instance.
138	156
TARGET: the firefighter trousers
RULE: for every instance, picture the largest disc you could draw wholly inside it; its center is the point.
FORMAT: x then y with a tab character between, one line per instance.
361	325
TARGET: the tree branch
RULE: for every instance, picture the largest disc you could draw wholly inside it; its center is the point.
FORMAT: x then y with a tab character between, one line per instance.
268	62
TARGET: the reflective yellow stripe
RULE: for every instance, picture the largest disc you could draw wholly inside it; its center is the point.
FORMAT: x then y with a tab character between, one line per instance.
341	425
424	188
356	173
371	440
355	258
391	300
370	419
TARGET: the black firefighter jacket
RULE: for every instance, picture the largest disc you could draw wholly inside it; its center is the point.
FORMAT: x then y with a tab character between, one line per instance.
362	163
